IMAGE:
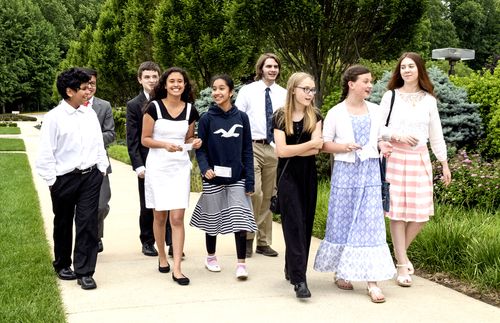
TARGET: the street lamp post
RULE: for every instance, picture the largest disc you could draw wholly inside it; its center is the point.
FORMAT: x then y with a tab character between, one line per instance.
453	55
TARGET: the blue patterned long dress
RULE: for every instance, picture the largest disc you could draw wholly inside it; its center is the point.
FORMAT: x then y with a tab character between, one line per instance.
355	244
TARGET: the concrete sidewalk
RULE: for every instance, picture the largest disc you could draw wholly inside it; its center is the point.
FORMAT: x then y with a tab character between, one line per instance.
130	288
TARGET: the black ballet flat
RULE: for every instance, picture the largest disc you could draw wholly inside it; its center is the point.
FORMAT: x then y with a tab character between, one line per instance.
181	281
163	270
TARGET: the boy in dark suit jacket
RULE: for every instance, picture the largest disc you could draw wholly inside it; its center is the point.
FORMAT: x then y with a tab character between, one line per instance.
105	115
148	76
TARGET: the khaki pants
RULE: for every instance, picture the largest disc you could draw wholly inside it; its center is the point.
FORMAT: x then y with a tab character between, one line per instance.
265	163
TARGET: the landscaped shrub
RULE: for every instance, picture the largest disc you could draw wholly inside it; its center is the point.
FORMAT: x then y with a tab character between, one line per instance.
16	117
120	118
7	124
205	99
475	182
484	88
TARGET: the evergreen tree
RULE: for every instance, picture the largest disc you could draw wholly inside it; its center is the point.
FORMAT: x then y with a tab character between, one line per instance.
202	37
460	119
28	55
116	83
325	37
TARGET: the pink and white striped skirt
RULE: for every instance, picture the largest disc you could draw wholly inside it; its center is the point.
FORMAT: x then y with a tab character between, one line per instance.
409	170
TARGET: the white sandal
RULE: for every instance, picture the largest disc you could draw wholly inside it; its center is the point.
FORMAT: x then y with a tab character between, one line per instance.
375	292
403	280
411	269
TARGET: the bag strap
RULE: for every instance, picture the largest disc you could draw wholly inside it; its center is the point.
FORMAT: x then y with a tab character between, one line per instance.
286	164
390	109
382	163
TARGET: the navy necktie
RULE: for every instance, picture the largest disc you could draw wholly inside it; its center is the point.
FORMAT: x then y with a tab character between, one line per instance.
269	117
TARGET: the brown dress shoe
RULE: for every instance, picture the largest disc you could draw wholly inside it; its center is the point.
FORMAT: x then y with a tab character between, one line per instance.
266	251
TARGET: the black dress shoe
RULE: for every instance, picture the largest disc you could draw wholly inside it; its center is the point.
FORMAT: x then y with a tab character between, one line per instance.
181	281
87	282
171	252
266	251
100	246
163	270
301	290
66	274
149	249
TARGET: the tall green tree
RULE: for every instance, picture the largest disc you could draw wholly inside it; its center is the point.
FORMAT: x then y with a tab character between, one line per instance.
202	37
443	33
137	41
84	13
28	55
56	13
116	83
324	37
477	23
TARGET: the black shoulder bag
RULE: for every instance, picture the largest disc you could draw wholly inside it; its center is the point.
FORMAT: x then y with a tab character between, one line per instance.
386	198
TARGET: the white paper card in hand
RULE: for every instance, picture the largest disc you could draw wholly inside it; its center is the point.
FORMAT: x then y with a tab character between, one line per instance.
222	171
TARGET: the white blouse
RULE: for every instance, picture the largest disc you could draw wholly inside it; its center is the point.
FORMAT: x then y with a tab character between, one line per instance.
337	127
419	118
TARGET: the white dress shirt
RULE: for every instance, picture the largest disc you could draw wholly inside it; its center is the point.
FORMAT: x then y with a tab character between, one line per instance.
251	99
141	169
70	139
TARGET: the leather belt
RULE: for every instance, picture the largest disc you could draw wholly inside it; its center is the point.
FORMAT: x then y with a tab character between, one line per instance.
84	171
260	141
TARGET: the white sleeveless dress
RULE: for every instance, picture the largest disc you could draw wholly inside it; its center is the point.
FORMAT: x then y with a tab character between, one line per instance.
167	180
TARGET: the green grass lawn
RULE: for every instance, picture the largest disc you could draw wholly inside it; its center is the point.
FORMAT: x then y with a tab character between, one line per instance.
10	131
28	288
119	152
12	144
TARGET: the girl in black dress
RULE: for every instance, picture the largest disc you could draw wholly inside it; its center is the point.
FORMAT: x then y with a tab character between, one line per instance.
297	134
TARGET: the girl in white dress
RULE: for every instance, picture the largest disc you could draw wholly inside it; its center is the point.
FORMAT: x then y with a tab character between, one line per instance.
168	130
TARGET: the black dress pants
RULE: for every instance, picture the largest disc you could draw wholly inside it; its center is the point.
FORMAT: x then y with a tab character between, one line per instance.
75	197
146	219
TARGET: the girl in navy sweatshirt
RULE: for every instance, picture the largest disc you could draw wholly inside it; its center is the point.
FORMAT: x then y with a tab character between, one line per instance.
226	164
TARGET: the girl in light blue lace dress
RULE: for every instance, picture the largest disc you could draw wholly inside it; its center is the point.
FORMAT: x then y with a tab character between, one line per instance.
355	246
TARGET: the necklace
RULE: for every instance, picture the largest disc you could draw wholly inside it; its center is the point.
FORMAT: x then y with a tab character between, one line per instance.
412	98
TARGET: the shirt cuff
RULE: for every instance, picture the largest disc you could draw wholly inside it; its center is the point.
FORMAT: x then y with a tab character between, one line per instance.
139	170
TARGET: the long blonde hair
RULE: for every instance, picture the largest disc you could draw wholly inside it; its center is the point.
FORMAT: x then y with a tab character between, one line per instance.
285	114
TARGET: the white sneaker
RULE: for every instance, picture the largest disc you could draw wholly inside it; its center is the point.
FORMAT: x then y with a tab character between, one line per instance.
211	264
241	271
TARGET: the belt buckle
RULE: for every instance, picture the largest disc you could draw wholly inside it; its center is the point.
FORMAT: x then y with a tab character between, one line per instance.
86	171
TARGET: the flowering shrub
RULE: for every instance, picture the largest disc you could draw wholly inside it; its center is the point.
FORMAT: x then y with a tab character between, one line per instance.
475	182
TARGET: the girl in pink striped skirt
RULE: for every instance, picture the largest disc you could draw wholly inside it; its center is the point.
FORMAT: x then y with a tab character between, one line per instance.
414	121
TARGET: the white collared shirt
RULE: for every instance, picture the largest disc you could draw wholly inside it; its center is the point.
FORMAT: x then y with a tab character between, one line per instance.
251	99
70	138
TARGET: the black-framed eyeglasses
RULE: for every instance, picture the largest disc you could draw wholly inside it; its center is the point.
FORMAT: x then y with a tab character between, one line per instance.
91	84
308	90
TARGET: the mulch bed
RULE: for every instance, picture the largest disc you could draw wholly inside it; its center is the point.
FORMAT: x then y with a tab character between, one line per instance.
491	297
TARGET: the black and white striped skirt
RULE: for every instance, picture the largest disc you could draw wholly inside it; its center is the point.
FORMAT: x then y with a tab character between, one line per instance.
224	209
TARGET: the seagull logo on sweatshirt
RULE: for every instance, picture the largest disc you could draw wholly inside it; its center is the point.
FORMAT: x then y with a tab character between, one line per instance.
230	133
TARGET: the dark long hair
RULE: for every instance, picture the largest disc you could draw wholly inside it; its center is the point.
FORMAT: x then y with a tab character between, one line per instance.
351	75
424	82
160	92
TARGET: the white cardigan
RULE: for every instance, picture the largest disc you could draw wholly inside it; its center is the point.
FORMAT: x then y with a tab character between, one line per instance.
337	127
